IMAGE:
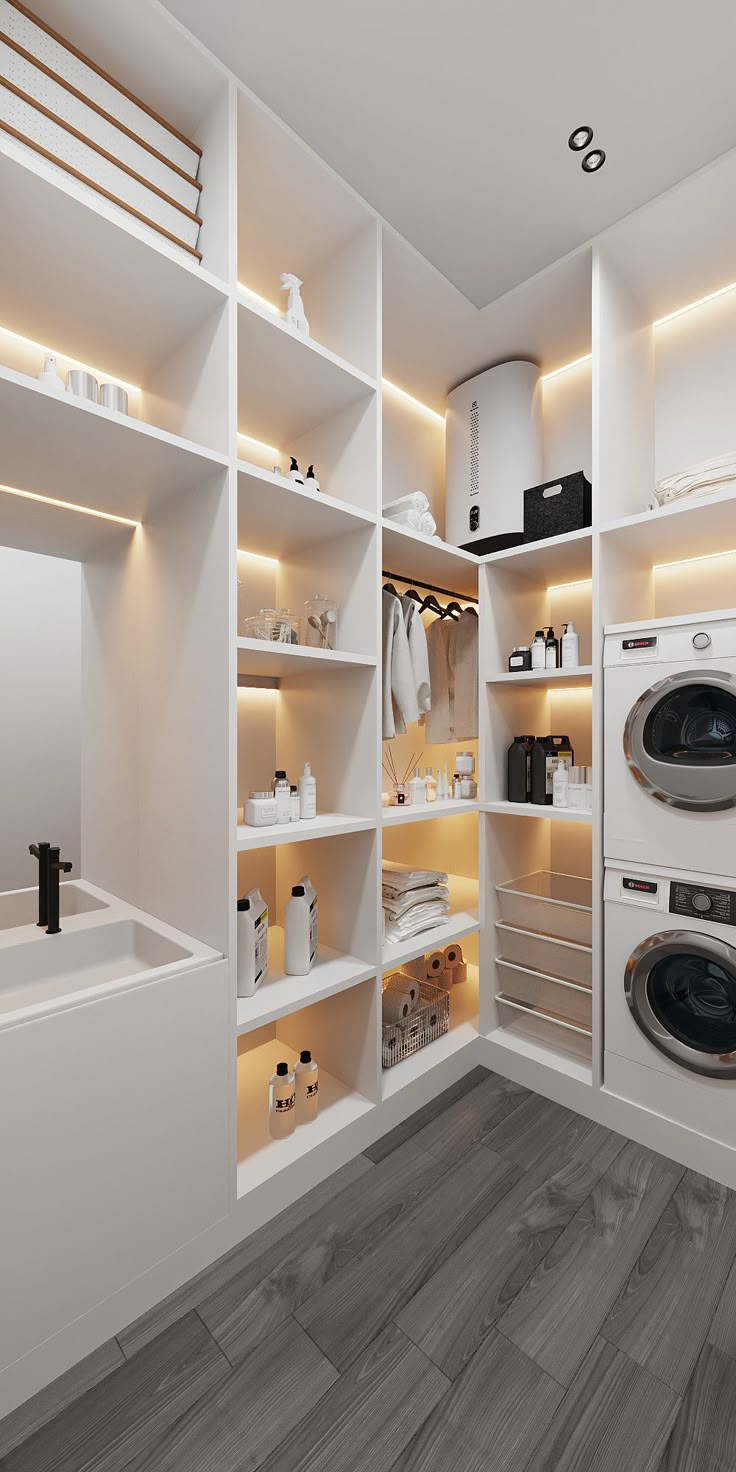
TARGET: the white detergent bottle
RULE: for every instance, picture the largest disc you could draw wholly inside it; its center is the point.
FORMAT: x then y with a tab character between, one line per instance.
560	779
252	943
306	1074
307	793
570	648
417	789
281	1102
300	933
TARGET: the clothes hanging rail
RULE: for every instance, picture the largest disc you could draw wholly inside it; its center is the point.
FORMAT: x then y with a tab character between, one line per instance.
400	577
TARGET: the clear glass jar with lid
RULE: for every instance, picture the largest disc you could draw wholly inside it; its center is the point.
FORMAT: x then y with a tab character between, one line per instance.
320	622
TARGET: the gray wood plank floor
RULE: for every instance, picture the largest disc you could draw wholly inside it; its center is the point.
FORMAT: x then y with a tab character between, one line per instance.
497	1283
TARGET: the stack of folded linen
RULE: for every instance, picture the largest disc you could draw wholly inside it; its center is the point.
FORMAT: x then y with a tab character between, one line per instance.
413	512
699	480
414	900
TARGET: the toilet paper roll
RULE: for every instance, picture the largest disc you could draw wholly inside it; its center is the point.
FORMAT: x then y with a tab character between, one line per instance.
415	968
445	980
395	1006
453	955
460	972
434	964
406	985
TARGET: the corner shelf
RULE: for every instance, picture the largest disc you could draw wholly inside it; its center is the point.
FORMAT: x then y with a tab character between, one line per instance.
462	1032
562	559
456	927
159	298
277	517
422	812
559	677
689	528
288	383
266	657
536	810
413	556
339	1107
62	446
325	825
281	994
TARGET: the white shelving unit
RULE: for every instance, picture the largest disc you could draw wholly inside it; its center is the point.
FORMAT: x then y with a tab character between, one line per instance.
220	393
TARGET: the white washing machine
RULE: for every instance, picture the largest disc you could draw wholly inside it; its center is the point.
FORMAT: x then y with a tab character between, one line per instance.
670	995
670	742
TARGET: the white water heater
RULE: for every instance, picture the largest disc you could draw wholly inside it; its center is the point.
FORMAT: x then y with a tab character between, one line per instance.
493	453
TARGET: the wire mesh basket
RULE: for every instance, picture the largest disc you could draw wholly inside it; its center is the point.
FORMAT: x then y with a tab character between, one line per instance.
429	1020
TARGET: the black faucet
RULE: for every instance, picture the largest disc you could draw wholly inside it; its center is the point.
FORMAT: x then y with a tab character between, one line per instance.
50	866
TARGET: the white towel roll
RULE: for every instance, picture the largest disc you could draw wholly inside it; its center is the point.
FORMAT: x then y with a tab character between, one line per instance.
395	1006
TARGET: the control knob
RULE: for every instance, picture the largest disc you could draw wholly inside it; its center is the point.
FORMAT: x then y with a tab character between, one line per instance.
702	903
701	640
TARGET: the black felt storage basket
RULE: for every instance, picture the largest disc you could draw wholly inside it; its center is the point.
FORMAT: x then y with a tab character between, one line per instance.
557	507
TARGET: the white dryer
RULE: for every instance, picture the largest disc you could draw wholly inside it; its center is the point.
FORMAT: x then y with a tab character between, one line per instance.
670	742
670	995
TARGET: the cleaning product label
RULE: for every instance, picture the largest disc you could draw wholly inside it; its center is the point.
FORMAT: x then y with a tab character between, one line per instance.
313	1089
313	929
284	1104
261	944
549	766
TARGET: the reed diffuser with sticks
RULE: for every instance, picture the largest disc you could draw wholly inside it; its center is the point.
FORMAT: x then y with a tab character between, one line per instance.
398	783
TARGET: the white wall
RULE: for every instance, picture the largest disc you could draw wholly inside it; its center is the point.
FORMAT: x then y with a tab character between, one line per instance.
40	644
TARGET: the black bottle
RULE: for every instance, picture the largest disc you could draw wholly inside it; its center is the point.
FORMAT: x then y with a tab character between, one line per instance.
518	769
545	753
551	649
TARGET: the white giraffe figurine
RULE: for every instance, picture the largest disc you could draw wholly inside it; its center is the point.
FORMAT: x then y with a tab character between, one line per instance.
294	316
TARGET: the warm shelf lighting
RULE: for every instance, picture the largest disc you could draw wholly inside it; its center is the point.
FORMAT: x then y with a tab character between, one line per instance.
567	367
705	557
257	691
98	373
68	506
259	557
570	690
409	398
262	300
260	445
559	587
700	302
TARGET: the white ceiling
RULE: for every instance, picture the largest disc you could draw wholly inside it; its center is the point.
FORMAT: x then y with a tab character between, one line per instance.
452	119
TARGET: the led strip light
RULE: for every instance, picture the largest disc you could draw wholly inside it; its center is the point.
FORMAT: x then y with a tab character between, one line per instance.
68	506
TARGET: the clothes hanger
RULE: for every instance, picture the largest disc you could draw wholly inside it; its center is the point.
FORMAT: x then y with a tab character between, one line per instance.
453	610
430	604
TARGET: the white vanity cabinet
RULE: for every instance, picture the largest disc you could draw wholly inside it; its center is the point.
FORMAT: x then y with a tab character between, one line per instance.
113	1145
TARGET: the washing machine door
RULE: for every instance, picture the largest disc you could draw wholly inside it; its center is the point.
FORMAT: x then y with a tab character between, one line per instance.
681	990
680	740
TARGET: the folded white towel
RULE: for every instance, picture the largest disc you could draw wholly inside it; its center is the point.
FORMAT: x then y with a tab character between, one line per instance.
395	905
415	501
417	920
703	479
398	877
411	520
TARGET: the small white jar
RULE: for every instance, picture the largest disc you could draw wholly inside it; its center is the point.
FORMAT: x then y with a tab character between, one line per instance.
260	809
465	763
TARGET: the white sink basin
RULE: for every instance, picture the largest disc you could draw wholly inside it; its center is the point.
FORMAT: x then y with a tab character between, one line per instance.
54	966
20	906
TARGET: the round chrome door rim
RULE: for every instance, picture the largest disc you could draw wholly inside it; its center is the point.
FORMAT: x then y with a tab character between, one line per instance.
652	774
636	976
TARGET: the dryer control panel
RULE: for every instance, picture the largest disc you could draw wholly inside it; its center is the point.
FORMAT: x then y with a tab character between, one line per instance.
703	903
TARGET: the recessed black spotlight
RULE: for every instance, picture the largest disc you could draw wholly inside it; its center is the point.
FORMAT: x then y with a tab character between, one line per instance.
593	161
579	139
